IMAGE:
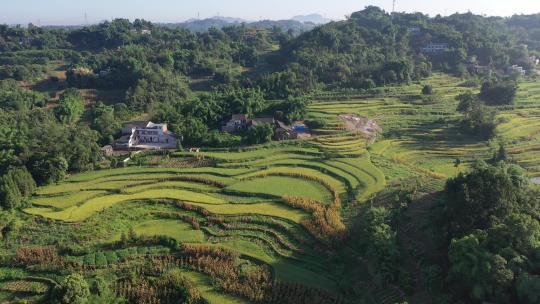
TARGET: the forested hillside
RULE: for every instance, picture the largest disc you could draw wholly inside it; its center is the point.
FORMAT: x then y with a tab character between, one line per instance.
373	47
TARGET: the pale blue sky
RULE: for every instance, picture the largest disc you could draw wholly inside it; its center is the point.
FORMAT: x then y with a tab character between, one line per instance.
72	11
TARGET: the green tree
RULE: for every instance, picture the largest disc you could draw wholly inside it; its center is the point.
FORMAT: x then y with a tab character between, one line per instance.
427	90
476	200
245	101
498	92
502	155
467	101
291	109
70	108
479	121
16	184
259	134
519	231
13	97
469	266
72	290
378	240
158	86
48	169
105	122
490	216
194	131
528	288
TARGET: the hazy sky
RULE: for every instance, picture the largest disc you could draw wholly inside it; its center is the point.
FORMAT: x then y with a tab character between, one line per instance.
72	11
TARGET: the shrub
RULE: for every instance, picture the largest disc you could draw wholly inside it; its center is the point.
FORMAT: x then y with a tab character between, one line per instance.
73	290
498	92
259	134
427	90
315	123
15	186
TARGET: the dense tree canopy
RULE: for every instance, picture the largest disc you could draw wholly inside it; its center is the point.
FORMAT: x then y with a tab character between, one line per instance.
490	221
498	92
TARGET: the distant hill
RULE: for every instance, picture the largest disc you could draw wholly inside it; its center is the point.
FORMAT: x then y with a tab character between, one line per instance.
296	26
231	19
203	25
312	18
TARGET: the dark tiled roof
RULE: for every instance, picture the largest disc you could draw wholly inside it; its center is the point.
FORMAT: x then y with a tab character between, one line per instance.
263	120
282	125
239	117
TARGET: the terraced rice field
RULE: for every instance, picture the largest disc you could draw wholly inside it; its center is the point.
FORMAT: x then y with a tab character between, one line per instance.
520	128
425	138
247	192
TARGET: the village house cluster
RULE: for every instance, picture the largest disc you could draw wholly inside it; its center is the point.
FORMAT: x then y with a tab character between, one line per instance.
282	131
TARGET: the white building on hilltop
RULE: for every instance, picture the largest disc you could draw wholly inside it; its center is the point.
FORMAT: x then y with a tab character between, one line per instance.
435	47
147	135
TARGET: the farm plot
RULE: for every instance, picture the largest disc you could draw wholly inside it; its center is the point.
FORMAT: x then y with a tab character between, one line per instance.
417	136
283	186
520	128
182	232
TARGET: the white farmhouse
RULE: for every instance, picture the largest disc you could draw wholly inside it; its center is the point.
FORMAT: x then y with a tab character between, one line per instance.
147	135
516	69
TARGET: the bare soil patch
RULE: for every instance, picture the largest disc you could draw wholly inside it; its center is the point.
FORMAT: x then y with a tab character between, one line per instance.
357	124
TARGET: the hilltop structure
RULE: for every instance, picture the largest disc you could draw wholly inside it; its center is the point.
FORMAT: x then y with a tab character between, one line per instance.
435	47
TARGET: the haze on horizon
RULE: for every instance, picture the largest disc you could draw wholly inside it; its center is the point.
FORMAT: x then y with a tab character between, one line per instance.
69	12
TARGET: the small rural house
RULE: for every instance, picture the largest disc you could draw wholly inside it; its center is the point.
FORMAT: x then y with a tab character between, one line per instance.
237	123
516	69
240	122
146	135
284	132
107	150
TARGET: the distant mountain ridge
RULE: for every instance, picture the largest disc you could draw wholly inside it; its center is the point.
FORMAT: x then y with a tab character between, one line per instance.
312	18
203	25
231	19
298	24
